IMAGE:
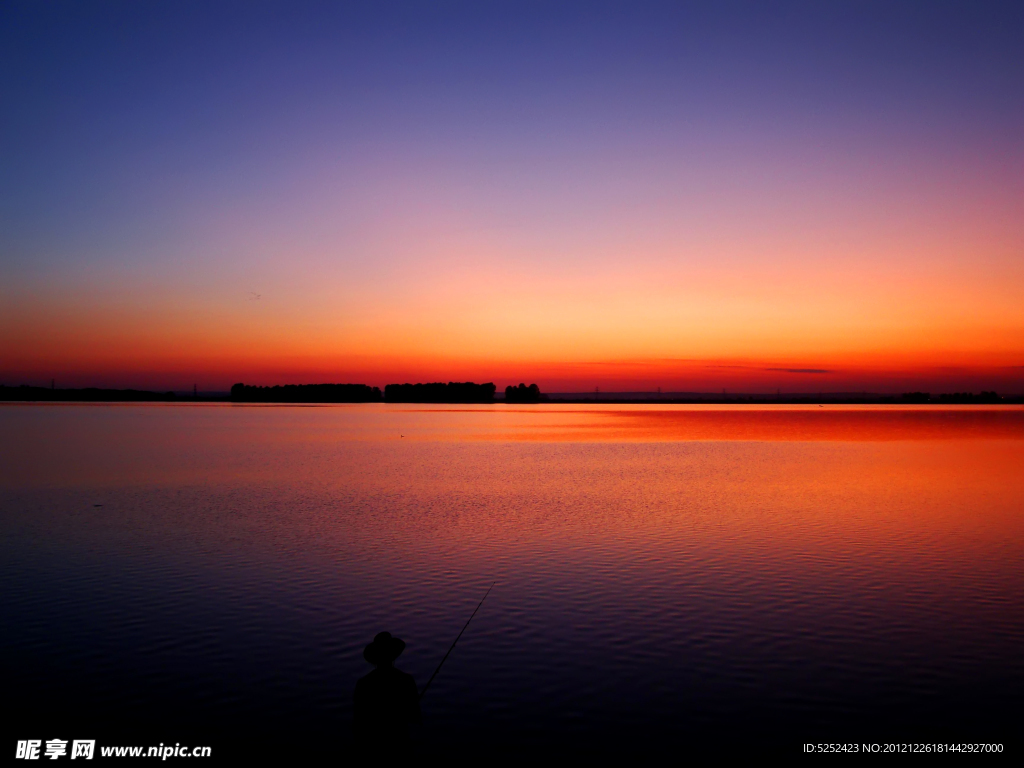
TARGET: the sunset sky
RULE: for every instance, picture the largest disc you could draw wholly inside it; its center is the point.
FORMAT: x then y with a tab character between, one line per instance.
753	196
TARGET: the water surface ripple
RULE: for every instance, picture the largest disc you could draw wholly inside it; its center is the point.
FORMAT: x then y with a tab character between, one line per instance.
212	573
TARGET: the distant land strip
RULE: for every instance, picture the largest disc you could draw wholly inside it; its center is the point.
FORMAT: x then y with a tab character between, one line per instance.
88	394
452	392
306	393
470	392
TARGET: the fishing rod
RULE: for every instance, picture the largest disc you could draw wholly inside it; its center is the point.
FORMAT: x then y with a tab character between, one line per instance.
457	639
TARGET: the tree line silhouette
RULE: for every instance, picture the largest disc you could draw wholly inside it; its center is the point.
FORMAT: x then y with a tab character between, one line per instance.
953	397
523	394
306	393
435	392
439	392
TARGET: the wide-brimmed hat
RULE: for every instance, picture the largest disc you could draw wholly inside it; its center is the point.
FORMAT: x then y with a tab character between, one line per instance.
384	648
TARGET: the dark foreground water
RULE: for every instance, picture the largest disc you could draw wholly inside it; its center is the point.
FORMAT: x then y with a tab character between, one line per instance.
688	580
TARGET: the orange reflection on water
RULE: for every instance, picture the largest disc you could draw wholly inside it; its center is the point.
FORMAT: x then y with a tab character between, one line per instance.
633	486
734	543
657	423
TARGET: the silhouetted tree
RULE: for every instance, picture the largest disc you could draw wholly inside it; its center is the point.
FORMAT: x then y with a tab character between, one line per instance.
439	392
522	394
306	393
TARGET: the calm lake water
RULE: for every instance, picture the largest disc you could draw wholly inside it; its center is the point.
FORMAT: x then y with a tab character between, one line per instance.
668	577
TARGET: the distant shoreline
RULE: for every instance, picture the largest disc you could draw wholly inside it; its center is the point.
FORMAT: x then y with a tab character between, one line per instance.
98	395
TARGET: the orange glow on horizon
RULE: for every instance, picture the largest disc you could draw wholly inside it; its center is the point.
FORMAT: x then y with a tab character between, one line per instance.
754	312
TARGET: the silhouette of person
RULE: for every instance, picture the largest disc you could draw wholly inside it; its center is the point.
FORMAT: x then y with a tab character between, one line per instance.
387	701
